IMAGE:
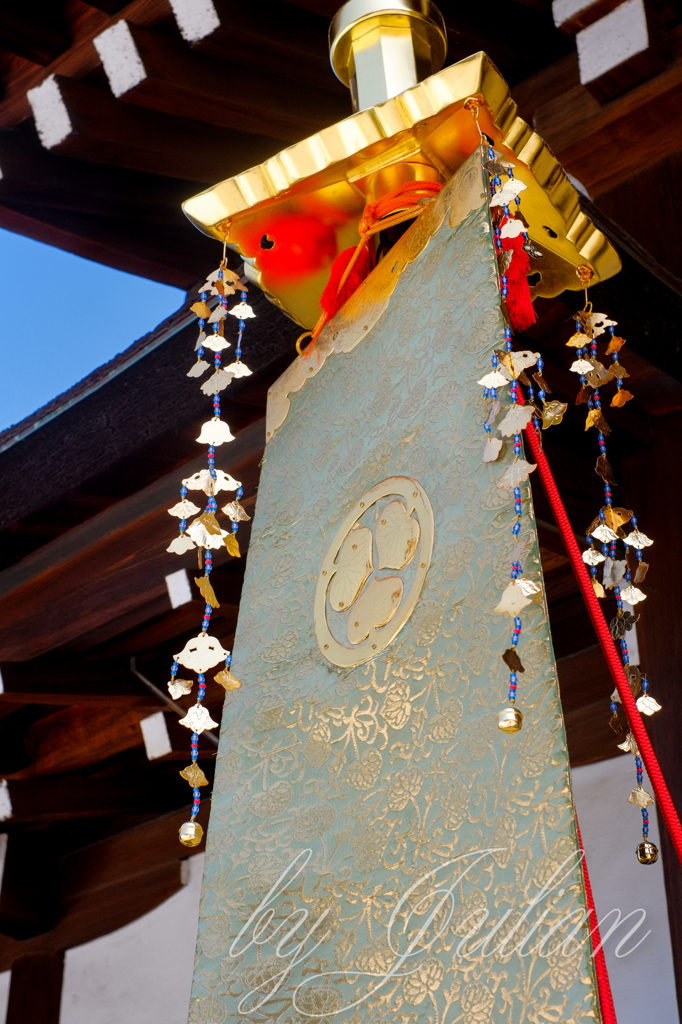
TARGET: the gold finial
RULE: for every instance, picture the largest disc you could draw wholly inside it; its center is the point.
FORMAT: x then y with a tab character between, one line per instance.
379	51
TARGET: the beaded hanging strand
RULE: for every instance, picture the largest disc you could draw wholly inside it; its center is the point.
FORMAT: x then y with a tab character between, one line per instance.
205	533
508	368
608	528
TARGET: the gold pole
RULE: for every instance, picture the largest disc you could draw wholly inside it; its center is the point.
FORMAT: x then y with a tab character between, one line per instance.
380	51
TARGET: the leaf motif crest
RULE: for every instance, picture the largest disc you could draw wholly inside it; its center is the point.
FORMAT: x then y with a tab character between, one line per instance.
353	565
375	607
397	536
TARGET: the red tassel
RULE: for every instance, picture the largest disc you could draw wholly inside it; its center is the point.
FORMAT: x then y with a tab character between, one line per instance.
519	305
332	300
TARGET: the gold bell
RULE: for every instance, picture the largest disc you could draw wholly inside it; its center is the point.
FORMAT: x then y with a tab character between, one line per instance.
190	833
510	720
647	853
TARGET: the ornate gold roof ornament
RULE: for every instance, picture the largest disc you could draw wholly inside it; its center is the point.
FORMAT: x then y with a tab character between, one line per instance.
292	215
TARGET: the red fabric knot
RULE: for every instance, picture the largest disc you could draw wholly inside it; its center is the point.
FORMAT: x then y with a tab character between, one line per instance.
519	302
353	265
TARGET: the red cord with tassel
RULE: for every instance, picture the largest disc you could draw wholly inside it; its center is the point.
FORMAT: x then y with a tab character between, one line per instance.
661	792
608	1010
519	303
338	290
352	266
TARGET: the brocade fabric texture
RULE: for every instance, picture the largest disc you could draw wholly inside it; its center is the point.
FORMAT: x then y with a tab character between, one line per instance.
366	820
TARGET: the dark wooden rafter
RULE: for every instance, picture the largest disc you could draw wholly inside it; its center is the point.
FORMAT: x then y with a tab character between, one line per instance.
151	413
604	146
120	877
79	59
64	681
108	6
125	218
36	989
34	176
86	122
161	73
113	241
114	563
41	40
275	37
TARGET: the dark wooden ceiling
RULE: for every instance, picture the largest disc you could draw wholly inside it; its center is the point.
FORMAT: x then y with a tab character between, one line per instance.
88	479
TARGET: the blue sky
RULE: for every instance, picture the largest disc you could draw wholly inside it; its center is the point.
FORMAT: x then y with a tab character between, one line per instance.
62	316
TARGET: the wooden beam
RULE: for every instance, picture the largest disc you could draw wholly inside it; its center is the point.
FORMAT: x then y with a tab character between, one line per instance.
150	416
80	59
34	176
40	38
102	886
605	146
71	797
247	446
647	229
175	624
109	6
115	563
161	73
652	223
621	50
36	989
76	737
127	246
88	123
585	684
29	896
279	38
588	735
68	681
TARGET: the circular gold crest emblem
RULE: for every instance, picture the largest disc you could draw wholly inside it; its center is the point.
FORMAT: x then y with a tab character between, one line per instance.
373	572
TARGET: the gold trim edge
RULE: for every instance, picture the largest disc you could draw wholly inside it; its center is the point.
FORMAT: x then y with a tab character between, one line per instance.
381	127
460	196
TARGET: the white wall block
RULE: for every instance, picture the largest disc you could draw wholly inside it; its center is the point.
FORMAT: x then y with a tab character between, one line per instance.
120	58
631	637
572	15
140	974
53	123
611	829
3	854
179	589
196	19
155	735
5	803
5	980
612	40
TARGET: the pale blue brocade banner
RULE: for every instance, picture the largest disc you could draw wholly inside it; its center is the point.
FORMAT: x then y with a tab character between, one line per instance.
365	820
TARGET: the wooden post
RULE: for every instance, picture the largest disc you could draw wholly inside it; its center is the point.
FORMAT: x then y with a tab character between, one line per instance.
36	989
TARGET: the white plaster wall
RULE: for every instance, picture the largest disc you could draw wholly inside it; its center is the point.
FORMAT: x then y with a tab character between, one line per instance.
642	982
140	974
5	979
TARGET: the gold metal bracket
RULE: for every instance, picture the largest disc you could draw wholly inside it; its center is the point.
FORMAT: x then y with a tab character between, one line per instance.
307	200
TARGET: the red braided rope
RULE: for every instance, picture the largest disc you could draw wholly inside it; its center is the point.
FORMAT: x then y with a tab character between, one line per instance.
608	1010
663	798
